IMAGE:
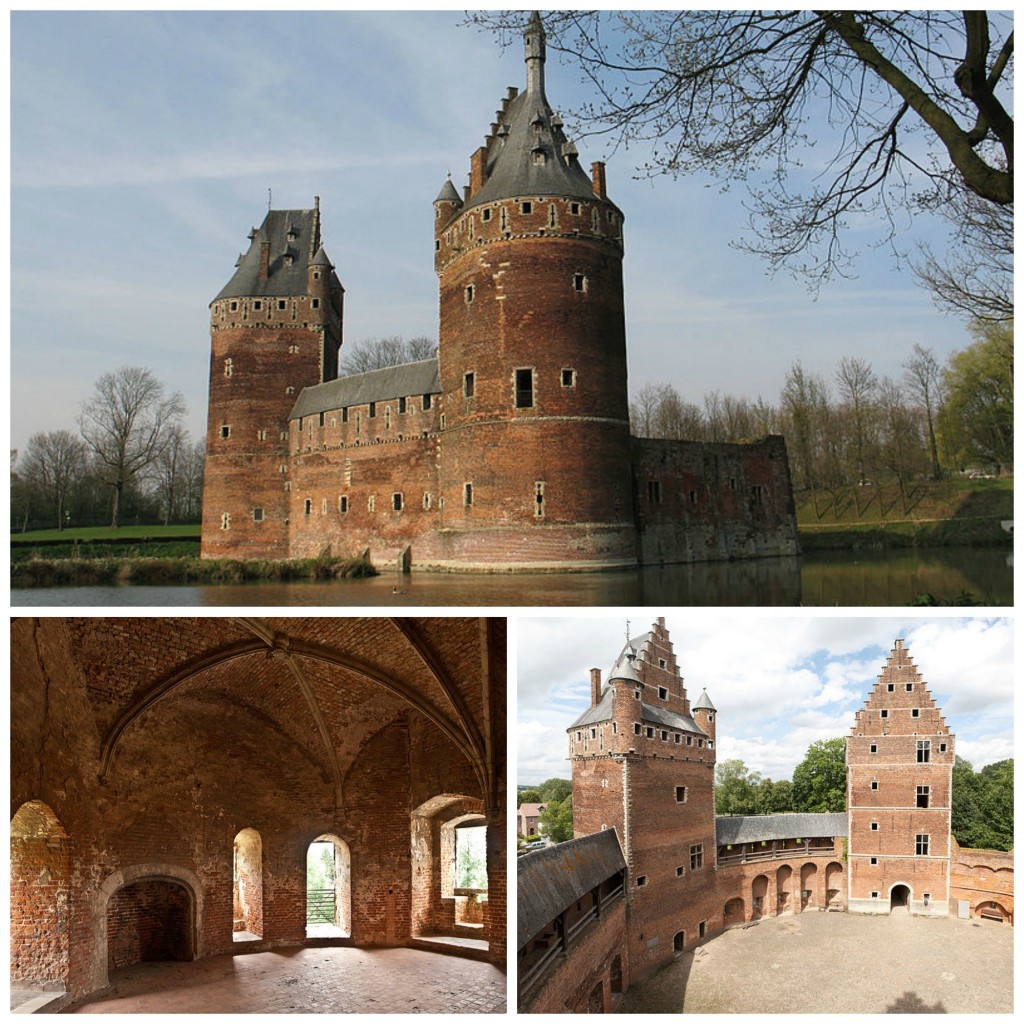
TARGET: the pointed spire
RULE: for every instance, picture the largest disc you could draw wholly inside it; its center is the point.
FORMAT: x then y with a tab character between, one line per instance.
535	39
448	193
704	702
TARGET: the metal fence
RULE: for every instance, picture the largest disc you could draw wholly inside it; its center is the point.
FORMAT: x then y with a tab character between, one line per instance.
320	906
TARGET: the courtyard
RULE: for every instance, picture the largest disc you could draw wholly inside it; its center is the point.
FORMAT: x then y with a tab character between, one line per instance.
839	963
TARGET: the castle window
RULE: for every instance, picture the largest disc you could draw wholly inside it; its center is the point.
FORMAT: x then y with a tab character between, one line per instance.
696	857
650	733
711	744
874	748
568	378
396	501
527	206
234	307
281	304
874	861
225	432
469	294
661	663
485	214
287	487
289	390
229	367
539	157
293	350
371	503
593	733
283	468
924	751
322	419
942	748
437	245
700	742
401	406
257	515
308	506
663	690
595	224
636	728
921	845
874	895
225	520
314	303
874	826
323	506
579	282
538	499
316	275
504	219
915	712
261	435
469	384
890	687
679	871
359	422
387	417
343	504
689	741
426	501
757	495
426	402
874	784
524	388
641	881
373	410
885	712
574	209
910	687
679	738
664	735
604	783
636	694
923	792
654	492
552	219
344	414
467	494
257	304
680	794
615	728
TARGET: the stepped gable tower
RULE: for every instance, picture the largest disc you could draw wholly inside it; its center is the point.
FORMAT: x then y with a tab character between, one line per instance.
532	356
644	765
275	329
899	769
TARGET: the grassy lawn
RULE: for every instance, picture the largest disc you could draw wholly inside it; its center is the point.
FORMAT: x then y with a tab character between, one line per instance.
91	533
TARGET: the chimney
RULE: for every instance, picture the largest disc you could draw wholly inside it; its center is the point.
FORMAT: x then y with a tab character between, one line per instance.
595	687
597	173
264	260
477	168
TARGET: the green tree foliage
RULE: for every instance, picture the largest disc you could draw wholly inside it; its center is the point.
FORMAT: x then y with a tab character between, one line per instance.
977	419
548	792
819	780
736	788
556	820
982	813
471	858
774	797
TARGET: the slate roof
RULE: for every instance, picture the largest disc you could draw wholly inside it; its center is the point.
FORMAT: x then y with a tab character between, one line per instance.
600	712
670	719
290	232
704	701
419	378
753	828
551	879
531	155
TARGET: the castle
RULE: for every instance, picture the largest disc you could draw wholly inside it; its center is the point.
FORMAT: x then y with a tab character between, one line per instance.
509	450
652	873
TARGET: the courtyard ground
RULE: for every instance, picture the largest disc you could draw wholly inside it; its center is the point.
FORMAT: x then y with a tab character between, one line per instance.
328	979
839	963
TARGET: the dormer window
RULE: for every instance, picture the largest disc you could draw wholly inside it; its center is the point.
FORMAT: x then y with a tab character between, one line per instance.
539	157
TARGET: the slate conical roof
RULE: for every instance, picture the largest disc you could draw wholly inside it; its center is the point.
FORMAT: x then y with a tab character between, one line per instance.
531	155
448	193
704	702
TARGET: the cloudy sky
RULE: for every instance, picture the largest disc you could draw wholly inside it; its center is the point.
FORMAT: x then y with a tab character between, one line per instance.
778	682
143	146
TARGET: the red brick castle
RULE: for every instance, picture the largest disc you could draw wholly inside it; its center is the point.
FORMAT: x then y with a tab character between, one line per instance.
511	448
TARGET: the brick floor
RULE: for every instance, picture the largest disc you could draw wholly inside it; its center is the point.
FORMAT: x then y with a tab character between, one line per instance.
308	980
839	963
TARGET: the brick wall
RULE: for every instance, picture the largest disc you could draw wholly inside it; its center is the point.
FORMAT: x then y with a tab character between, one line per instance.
149	920
983	880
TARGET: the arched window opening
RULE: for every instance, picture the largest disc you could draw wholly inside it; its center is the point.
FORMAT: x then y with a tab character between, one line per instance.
328	888
899	898
248	886
466	843
40	915
148	920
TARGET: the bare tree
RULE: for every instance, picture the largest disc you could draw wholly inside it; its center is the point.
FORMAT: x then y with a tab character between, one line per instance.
857	383
376	353
890	100
804	397
642	410
54	463
167	473
128	422
922	377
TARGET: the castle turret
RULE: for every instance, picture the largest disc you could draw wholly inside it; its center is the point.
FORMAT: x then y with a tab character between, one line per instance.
532	351
275	328
704	713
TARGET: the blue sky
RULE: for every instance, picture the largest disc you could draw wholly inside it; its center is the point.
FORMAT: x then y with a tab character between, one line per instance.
143	146
778	682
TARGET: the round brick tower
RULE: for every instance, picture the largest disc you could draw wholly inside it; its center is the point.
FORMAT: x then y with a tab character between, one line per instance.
275	328
535	450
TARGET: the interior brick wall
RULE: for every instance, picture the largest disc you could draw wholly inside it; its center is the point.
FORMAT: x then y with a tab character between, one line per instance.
148	920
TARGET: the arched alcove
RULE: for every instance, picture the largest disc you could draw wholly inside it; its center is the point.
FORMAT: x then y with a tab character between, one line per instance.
899	897
784	888
328	888
148	920
40	910
758	894
247	887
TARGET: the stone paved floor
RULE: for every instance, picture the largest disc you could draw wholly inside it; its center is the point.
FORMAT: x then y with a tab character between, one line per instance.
308	980
839	963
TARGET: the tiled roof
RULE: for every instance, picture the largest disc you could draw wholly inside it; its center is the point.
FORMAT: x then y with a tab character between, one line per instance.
731	830
420	378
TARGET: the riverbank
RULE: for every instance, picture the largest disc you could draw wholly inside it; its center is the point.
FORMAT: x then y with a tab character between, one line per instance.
885	536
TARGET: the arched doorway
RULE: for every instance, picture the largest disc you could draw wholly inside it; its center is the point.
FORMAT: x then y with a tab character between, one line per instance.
678	945
834	885
247	861
328	888
733	912
784	887
596	1002
808	886
899	898
40	912
758	894
150	919
616	975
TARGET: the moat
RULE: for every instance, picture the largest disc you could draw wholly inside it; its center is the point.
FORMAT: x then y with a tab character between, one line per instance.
873	579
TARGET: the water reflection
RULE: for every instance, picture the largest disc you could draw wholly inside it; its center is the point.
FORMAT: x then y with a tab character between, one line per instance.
831	578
